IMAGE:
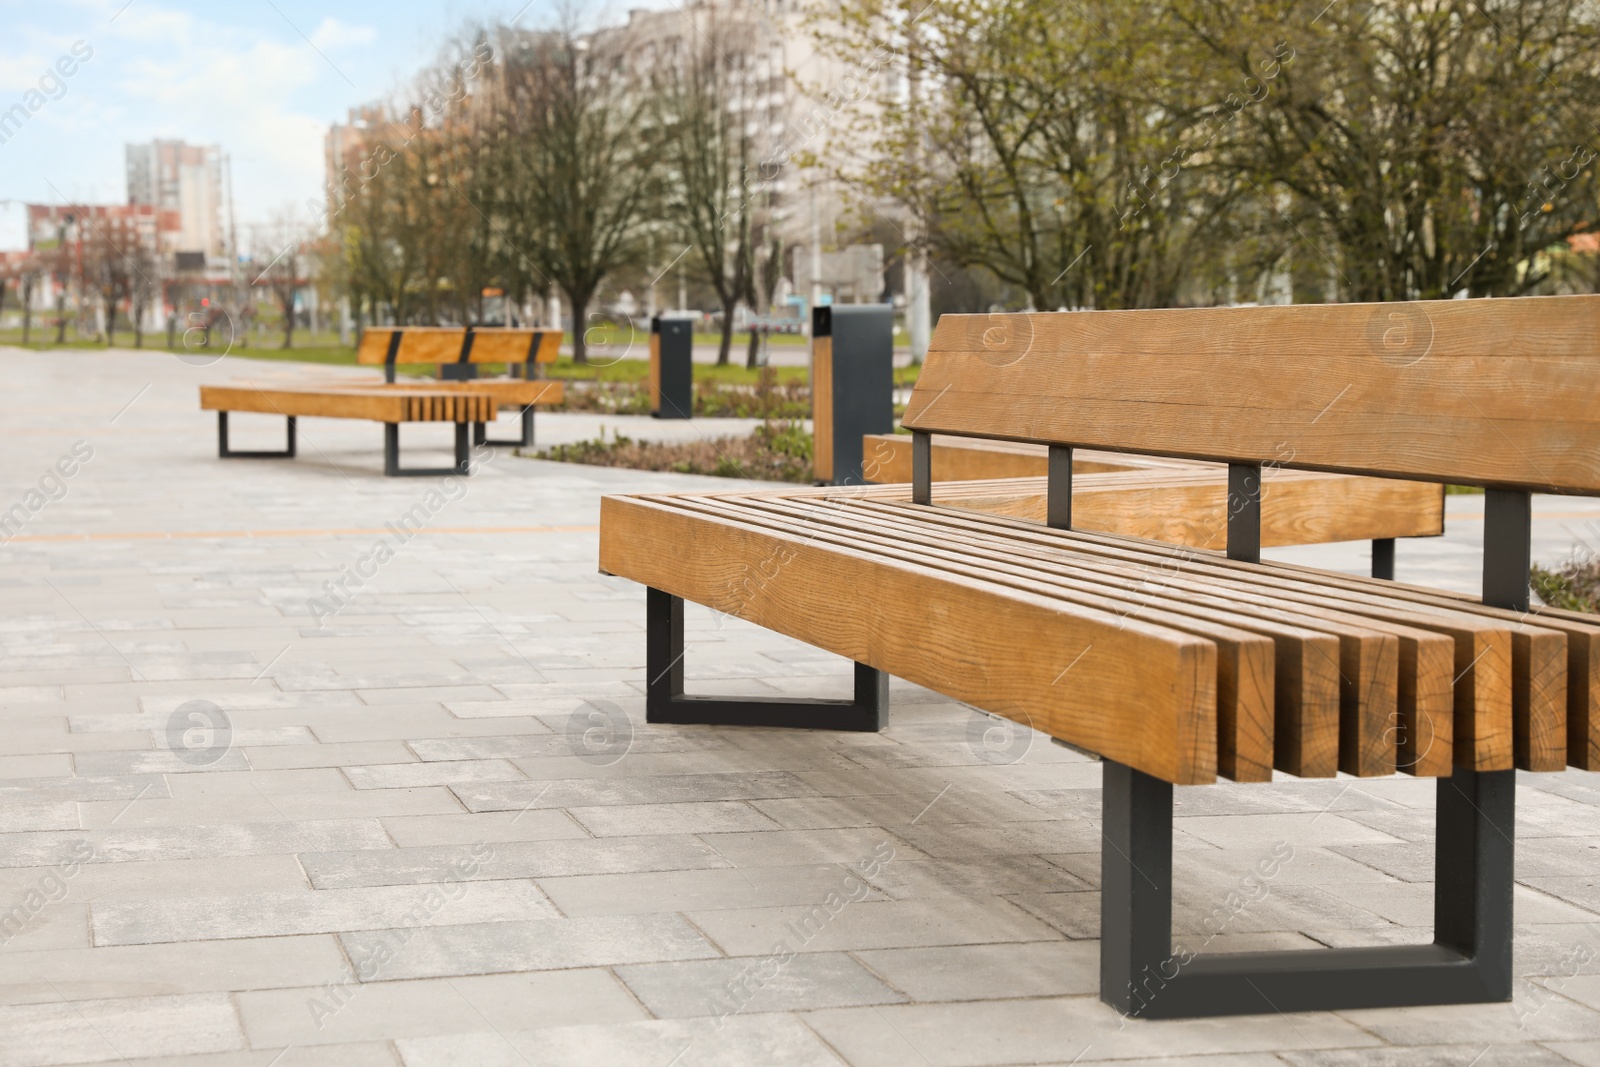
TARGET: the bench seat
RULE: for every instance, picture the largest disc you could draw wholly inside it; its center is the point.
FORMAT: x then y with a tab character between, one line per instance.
379	403
1179	665
387	404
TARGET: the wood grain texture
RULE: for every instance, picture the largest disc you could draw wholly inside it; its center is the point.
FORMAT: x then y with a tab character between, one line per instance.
1188	505
1362	675
822	408
374	346
1001	649
422	344
960	459
1480	392
1336	680
1556	699
655	373
507	392
379	403
442	344
1482	719
1245	681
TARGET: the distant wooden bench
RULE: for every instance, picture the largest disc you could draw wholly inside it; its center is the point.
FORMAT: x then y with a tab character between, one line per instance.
459	352
1179	501
1177	665
390	405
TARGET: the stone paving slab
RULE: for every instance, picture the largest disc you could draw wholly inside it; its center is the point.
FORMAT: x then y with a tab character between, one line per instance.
437	831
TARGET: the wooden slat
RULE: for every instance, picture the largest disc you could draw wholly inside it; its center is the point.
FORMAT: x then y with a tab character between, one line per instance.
1542	672
1498	666
374	347
1483	730
961	459
423	345
1189	507
1245	679
1483	392
1367	731
822	408
1352	732
442	344
549	347
379	403
997	648
505	392
339	404
655	372
495	344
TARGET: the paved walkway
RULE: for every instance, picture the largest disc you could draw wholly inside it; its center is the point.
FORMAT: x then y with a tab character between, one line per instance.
434	830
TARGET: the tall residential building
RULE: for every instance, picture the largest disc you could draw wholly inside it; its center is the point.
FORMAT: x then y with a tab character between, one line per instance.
186	179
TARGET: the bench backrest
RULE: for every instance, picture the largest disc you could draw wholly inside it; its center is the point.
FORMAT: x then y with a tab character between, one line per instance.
1498	393
444	344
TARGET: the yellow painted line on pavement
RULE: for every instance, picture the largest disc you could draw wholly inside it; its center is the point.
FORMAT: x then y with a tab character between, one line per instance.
158	535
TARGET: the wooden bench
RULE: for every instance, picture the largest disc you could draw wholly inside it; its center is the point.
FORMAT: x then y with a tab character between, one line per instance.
1178	665
390	405
1179	501
459	352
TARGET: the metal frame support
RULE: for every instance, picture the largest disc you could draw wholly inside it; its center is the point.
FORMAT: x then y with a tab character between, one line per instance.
463	369
665	701
1507	547
1469	962
1244	512
391	455
921	467
1058	488
391	354
480	432
1383	558
224	452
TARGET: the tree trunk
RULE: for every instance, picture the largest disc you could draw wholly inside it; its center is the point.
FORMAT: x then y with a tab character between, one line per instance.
580	313
754	351
288	325
27	310
725	345
61	319
111	322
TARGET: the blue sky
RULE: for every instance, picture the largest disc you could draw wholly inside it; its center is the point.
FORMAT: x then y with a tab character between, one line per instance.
262	78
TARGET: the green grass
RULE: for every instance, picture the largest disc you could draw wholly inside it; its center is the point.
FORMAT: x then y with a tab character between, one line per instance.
44	337
1573	586
741	341
325	349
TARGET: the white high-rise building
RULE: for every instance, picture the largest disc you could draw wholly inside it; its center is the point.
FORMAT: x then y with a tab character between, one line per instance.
186	179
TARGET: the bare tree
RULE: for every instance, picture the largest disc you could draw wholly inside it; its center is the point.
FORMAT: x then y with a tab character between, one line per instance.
709	158
284	274
577	176
28	275
144	289
1425	150
1033	123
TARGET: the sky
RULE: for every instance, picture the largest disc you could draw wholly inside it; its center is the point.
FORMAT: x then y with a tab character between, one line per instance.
261	78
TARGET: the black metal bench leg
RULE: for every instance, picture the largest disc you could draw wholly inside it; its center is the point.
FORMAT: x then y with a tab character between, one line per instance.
1383	558
224	452
527	432
1142	974
391	454
665	701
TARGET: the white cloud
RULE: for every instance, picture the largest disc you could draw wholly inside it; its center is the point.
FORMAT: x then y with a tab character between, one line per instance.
333	34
